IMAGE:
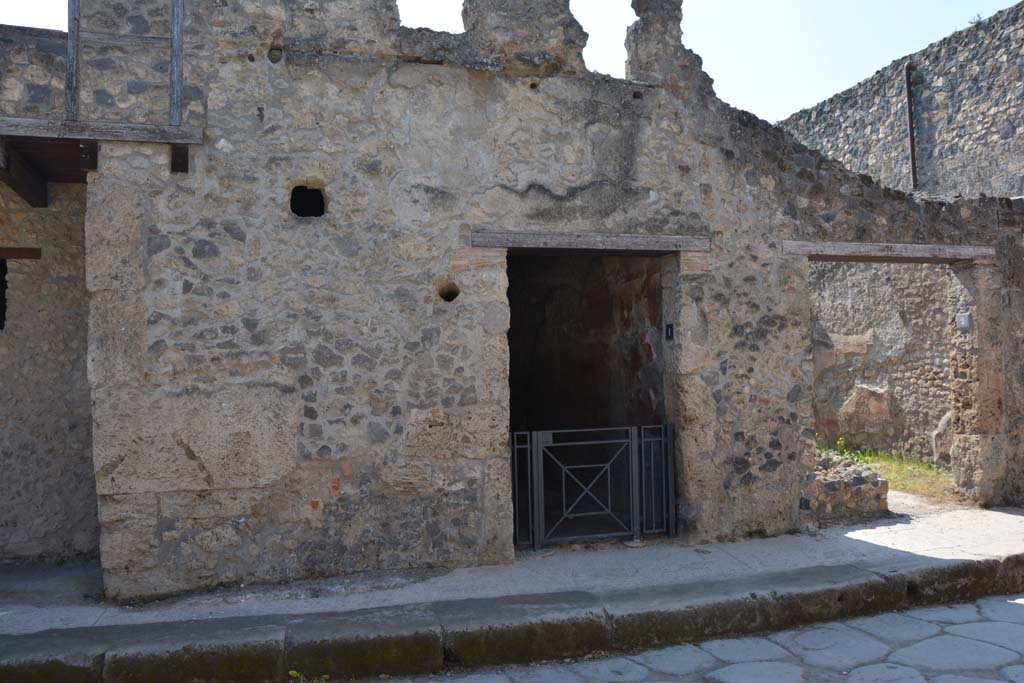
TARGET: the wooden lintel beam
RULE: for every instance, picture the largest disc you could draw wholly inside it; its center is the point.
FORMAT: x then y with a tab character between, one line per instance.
177	38
22	177
28	253
100	130
576	241
889	252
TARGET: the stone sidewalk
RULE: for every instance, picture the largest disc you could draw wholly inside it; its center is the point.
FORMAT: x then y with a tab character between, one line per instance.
554	604
966	643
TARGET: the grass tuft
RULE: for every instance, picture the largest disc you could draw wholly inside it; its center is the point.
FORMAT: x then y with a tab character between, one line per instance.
904	474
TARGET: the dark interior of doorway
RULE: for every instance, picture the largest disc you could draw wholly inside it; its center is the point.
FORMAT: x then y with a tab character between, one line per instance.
586	353
585	341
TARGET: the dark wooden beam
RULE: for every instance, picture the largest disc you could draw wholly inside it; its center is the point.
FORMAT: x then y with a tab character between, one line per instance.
889	252
29	253
100	130
576	241
177	33
71	73
22	177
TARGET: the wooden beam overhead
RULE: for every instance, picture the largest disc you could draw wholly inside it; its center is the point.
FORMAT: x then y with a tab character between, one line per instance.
100	130
71	75
576	241
22	177
29	253
889	252
177	38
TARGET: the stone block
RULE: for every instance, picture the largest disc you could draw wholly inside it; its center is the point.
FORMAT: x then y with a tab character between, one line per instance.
117	338
239	436
496	543
57	656
129	545
980	466
866	415
487	632
398	641
220	650
115	223
476	433
531	36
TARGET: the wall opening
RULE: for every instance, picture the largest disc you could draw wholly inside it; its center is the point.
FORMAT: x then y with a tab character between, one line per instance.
591	450
585	341
605	22
48	485
882	341
438	16
307	202
448	290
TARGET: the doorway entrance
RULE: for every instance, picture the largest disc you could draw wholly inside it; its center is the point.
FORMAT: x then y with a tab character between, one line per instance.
591	451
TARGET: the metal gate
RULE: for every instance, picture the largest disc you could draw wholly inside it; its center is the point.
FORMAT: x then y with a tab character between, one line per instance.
585	484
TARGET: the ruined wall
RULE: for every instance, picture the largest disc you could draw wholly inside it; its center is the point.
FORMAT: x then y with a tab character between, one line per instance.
32	69
47	490
968	93
277	397
585	341
881	351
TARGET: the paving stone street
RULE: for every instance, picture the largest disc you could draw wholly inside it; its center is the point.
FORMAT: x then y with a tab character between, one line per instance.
968	643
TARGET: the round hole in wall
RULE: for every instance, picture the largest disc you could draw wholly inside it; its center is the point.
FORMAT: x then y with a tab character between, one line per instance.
534	85
274	54
251	57
448	290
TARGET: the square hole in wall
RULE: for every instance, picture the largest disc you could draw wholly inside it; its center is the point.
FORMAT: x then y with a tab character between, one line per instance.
307	202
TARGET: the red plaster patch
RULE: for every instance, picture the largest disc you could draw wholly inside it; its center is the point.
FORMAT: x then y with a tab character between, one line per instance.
315	504
335	484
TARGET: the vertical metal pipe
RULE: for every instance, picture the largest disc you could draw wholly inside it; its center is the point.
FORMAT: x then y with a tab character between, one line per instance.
71	74
670	456
536	458
911	132
177	38
634	484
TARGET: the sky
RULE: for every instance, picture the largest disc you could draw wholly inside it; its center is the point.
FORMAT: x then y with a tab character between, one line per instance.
770	57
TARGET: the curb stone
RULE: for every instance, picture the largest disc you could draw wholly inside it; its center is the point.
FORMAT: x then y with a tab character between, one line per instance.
432	637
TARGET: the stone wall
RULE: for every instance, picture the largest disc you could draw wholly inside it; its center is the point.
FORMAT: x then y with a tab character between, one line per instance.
968	94
47	490
968	100
881	351
842	490
32	71
278	397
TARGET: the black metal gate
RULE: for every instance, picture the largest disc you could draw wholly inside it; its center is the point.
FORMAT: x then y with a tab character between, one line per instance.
585	484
